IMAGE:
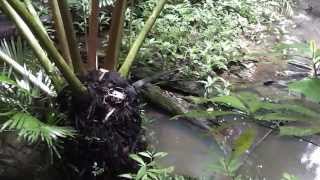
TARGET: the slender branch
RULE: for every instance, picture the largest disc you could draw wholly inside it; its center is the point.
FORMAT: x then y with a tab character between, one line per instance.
115	35
49	46
19	69
71	37
93	35
124	70
39	52
61	33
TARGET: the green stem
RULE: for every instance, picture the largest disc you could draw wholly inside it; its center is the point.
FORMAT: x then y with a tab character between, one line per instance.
39	52
61	33
49	46
34	13
22	71
124	70
71	37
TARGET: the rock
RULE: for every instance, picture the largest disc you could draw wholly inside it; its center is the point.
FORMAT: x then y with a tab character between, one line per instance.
20	160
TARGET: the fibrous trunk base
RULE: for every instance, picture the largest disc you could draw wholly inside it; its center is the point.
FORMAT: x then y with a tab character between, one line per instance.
109	126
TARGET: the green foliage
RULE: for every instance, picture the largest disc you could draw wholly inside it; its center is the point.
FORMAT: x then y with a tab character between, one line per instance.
216	86
33	130
308	87
250	105
287	176
243	143
22	106
299	131
148	167
206	35
228	166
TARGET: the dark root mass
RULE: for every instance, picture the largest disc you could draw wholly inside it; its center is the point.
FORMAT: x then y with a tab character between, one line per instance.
109	125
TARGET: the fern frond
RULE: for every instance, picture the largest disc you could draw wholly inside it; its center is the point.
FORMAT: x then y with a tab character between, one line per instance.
33	130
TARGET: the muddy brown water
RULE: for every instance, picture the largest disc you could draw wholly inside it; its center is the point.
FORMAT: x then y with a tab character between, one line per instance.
192	151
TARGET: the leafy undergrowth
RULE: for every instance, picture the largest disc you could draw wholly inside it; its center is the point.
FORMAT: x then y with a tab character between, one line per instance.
202	36
290	118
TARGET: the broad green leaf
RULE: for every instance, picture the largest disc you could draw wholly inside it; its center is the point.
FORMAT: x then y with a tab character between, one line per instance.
145	154
127	176
287	176
232	101
138	159
281	117
142	172
243	143
298	131
294	108
251	101
204	114
313	46
7	80
308	87
234	165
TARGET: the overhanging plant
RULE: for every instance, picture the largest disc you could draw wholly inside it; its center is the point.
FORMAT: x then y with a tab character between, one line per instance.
102	107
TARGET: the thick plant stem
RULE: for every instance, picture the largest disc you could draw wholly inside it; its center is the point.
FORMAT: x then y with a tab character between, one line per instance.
61	33
39	52
22	71
49	46
115	35
93	35
34	13
124	70
71	37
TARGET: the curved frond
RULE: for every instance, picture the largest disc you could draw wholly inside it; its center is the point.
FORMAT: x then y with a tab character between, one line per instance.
33	130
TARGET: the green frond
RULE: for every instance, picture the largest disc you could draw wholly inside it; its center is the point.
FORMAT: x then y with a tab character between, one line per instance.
33	130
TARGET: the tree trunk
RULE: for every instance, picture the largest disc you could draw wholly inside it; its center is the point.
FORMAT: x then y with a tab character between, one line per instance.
92	44
115	35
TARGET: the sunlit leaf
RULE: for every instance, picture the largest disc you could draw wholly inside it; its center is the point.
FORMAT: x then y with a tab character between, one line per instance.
251	100
138	159
280	117
230	101
298	131
128	176
243	143
142	172
7	80
308	87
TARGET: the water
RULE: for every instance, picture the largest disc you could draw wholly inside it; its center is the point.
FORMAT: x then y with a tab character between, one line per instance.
191	150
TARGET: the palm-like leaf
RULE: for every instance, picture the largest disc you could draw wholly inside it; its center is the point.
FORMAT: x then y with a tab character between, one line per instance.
33	130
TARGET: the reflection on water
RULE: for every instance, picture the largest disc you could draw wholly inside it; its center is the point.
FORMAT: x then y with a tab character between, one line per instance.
311	159
191	151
